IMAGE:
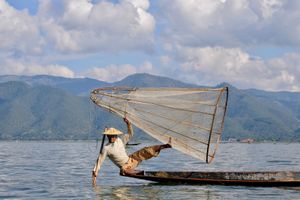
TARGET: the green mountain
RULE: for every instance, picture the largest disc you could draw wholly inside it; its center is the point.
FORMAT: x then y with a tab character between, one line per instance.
77	86
261	118
46	107
148	80
41	112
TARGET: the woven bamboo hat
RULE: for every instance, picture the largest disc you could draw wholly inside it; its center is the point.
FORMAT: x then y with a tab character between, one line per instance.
112	131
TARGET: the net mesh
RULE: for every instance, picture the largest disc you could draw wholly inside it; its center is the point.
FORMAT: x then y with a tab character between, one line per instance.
192	117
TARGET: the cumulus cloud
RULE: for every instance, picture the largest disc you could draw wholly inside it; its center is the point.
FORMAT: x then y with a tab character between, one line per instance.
81	26
143	4
110	73
19	32
209	39
231	23
113	73
202	41
15	67
217	64
70	26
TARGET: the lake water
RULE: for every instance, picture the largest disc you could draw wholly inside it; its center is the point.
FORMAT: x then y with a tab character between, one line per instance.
62	170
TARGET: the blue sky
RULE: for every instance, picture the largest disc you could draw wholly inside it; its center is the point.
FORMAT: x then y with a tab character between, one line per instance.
248	43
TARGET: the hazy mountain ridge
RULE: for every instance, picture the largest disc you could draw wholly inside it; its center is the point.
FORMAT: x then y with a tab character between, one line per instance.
46	107
42	112
77	86
262	118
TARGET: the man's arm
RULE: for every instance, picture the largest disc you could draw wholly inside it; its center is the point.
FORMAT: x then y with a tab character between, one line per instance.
128	136
98	164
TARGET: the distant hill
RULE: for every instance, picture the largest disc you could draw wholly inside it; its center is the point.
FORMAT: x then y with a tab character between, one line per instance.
78	86
48	107
83	86
288	99
41	112
148	80
261	118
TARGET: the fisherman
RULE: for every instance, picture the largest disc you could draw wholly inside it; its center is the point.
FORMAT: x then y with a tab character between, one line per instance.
115	150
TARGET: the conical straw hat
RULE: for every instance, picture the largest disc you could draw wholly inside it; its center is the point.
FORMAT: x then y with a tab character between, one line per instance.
112	131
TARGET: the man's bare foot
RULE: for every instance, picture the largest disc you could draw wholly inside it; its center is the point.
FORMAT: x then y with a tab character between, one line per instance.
169	144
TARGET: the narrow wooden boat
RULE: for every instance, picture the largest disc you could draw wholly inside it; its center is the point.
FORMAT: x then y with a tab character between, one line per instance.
262	179
193	120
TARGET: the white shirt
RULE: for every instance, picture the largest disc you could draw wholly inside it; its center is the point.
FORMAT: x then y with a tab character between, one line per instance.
115	151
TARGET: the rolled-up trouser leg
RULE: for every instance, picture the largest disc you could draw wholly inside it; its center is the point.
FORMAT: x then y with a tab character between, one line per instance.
137	157
130	165
146	153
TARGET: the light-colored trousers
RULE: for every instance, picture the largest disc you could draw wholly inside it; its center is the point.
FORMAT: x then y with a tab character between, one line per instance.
137	157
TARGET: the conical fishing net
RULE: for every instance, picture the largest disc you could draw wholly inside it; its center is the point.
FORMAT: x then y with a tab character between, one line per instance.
192	117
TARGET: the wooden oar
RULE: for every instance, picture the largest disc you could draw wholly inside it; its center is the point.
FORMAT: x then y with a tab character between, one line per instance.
102	143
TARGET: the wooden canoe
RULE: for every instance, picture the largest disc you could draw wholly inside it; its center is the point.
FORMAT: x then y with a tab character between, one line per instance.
262	179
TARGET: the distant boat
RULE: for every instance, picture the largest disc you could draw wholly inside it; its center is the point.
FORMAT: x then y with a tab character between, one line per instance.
247	140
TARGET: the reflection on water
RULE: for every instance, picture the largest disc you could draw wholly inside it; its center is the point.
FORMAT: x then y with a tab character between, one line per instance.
156	191
62	170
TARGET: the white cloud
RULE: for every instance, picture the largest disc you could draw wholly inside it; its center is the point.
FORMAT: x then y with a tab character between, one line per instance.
76	13
14	67
206	38
215	65
113	73
231	23
143	4
19	32
85	27
70	26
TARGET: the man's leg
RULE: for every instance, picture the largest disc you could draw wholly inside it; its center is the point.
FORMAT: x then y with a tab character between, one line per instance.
149	152
163	146
129	166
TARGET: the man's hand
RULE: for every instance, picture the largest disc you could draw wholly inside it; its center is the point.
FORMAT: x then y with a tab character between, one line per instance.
94	178
126	120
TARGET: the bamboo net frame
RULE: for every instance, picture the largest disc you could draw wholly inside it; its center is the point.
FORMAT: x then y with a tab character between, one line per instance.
192	117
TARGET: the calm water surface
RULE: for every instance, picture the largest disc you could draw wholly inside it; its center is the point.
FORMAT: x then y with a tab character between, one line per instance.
62	170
